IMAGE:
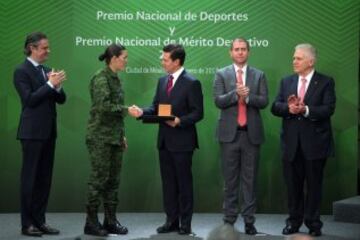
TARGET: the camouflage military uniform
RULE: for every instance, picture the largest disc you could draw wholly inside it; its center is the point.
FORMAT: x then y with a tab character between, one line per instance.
104	139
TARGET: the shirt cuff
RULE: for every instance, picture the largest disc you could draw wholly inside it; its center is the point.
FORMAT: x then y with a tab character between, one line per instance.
306	114
52	86
58	89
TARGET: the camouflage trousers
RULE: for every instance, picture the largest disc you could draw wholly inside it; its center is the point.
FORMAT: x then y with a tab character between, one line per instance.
104	178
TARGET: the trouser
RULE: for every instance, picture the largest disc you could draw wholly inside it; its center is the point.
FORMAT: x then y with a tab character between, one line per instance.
106	160
303	206
239	164
36	175
177	184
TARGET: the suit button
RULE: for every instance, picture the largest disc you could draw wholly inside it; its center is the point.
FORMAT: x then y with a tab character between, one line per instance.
299	118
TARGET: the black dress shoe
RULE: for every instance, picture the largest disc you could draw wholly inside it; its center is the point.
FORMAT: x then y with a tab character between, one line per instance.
168	227
46	229
185	230
315	232
289	229
31	231
250	229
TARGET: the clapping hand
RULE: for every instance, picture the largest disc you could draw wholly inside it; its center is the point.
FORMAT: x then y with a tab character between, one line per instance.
295	105
56	78
242	90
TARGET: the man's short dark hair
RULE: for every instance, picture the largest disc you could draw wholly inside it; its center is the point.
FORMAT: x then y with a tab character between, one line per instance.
176	51
33	39
240	39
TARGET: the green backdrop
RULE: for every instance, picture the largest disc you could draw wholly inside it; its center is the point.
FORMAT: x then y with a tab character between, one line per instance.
78	32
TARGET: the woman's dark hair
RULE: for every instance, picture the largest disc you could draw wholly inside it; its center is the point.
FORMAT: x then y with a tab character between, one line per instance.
33	39
111	51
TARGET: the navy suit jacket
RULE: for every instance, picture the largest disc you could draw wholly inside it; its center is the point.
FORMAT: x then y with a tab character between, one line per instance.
313	133
186	99
38	101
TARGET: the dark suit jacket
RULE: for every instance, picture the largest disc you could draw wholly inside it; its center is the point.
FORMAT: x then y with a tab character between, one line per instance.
38	100
226	99
312	133
186	99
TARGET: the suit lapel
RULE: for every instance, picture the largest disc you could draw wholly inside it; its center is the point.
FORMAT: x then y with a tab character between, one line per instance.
293	85
231	76
250	80
176	86
162	95
35	73
177	83
312	87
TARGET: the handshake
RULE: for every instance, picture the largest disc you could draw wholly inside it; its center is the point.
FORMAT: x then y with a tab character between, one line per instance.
135	111
296	105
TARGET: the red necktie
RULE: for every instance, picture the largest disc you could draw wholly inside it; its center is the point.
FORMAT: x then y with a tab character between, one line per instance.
302	89
241	103
169	84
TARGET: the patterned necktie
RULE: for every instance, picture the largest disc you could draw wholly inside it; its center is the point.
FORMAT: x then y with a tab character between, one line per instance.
302	89
169	85
241	102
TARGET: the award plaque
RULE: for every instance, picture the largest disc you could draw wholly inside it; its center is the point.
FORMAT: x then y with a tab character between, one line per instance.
164	114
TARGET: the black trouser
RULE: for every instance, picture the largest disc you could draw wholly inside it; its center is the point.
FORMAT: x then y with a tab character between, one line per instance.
177	184
304	207
36	174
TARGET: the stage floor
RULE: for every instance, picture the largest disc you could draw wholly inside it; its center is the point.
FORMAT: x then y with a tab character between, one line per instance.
142	226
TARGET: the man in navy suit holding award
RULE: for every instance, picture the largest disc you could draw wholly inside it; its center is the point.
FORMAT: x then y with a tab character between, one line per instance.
305	102
39	89
177	139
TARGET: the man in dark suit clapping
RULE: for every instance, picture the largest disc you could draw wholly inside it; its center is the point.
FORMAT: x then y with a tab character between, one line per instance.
306	101
39	89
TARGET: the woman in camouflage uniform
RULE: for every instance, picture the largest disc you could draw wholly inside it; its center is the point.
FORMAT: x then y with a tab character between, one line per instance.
106	142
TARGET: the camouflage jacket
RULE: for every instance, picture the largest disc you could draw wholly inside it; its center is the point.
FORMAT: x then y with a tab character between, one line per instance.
107	112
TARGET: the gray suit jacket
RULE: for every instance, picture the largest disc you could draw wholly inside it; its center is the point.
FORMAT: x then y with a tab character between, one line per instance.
226	100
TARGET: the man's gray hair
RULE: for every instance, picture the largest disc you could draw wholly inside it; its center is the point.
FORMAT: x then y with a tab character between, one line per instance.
310	49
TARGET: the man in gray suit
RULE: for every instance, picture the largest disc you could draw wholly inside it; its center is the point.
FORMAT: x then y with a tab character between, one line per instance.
240	91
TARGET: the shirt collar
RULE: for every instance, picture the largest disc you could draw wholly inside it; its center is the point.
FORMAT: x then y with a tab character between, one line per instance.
243	69
33	61
177	74
308	77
